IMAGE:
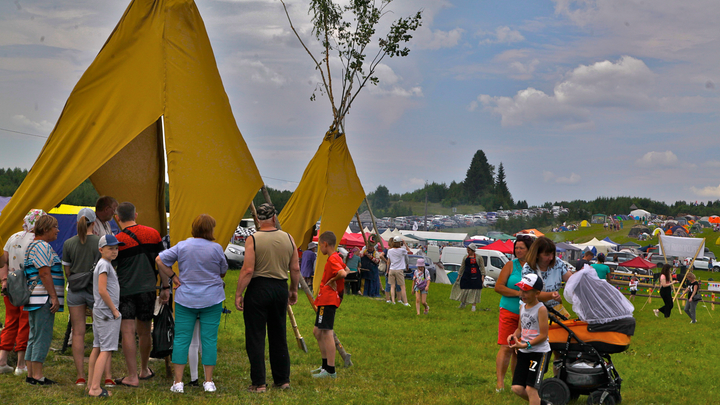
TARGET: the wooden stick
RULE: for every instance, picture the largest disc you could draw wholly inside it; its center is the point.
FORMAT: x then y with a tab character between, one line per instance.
357	215
372	218
308	292
687	272
298	337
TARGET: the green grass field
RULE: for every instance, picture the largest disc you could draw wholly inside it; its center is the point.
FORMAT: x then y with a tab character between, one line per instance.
447	357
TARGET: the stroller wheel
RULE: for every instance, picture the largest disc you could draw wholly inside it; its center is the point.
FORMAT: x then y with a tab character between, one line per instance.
555	391
596	397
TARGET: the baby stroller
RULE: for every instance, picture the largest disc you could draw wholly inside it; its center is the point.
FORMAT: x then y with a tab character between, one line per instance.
583	365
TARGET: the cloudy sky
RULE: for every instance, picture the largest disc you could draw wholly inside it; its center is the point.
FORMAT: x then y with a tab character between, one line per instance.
577	99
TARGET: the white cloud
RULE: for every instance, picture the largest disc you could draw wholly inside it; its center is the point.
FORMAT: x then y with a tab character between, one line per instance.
624	84
658	159
426	38
712	164
550	177
573	179
502	35
413	183
709	191
523	71
531	105
42	127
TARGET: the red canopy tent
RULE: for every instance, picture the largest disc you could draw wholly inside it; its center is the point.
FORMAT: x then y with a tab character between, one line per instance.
638	263
500	246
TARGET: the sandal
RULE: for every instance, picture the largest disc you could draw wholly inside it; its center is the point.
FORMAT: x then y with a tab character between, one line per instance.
147	377
258	389
103	394
119	381
285	386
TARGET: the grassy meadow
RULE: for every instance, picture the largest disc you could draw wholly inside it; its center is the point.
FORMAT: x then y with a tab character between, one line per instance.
446	357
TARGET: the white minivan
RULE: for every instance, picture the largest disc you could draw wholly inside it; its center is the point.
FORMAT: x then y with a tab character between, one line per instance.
494	261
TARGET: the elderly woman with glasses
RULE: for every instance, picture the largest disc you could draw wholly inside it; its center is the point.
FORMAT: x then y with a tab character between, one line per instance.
45	275
468	286
510	275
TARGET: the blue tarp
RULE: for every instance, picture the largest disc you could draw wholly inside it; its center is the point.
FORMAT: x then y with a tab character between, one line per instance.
68	228
608	240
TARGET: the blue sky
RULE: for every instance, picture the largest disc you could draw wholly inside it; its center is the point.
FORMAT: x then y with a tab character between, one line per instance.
577	99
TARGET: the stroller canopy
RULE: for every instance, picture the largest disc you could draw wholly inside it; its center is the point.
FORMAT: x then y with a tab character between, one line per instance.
594	300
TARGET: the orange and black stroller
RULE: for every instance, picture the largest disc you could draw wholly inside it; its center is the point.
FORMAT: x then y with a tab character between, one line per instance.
583	365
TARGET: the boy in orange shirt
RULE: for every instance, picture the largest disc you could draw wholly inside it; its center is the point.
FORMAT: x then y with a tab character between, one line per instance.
327	302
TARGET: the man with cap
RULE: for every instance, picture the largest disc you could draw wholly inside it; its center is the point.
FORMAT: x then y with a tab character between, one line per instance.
263	295
307	267
397	258
587	256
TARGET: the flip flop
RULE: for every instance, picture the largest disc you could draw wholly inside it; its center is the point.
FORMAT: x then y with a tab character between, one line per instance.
103	394
119	381
258	389
152	374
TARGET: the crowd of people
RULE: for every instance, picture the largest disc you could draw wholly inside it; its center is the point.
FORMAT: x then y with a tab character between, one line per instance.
115	277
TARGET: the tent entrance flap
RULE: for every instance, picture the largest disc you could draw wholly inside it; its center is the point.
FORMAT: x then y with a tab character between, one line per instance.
137	174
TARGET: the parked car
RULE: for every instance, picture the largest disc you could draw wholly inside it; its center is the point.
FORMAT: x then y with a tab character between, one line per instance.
643	272
489	282
235	256
614	258
412	266
703	263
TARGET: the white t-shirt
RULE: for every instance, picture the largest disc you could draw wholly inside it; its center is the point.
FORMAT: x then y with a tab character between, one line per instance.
397	258
16	247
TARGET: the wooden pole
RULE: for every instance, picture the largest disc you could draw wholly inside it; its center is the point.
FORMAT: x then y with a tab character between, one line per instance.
357	215
341	349
687	272
372	218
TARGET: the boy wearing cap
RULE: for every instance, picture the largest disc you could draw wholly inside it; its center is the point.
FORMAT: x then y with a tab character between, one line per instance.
106	316
531	341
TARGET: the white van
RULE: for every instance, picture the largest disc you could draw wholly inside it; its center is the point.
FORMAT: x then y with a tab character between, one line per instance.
493	260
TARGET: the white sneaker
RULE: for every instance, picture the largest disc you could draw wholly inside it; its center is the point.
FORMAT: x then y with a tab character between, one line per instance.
20	371
209	386
324	374
656	312
317	370
388	301
406	304
473	308
6	369
178	388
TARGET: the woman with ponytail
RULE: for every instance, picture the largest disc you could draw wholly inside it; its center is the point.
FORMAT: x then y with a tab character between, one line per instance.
80	254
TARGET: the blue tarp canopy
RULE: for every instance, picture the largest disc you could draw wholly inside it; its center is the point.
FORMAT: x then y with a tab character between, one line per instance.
607	239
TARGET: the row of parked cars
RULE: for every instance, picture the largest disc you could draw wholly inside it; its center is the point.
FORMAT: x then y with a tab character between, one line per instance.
613	259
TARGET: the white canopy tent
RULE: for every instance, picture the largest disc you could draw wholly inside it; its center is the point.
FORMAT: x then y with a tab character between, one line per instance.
438	236
640	214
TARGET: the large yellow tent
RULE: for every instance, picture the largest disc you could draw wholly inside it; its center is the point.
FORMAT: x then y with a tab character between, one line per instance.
156	68
329	189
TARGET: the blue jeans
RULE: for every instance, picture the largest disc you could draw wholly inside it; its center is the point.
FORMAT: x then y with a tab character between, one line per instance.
185	325
41	332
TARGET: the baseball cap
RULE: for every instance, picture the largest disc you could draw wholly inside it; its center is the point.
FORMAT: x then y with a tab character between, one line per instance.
398	239
312	245
601	257
530	281
88	214
109	240
420	263
265	211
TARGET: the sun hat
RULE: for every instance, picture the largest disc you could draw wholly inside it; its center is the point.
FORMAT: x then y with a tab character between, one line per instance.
472	247
420	263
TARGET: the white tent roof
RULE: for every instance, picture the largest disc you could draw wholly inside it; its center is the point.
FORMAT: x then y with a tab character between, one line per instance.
387	234
438	236
640	213
600	245
441	276
479	237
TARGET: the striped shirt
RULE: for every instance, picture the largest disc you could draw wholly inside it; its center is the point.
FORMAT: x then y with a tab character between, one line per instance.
41	254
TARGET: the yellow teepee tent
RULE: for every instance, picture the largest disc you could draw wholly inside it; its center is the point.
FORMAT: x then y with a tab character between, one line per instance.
329	189
157	67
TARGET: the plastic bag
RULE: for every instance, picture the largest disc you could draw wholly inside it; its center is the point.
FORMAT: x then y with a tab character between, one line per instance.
163	333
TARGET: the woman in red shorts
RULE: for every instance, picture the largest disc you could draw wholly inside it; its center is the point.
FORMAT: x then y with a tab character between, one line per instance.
509	307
